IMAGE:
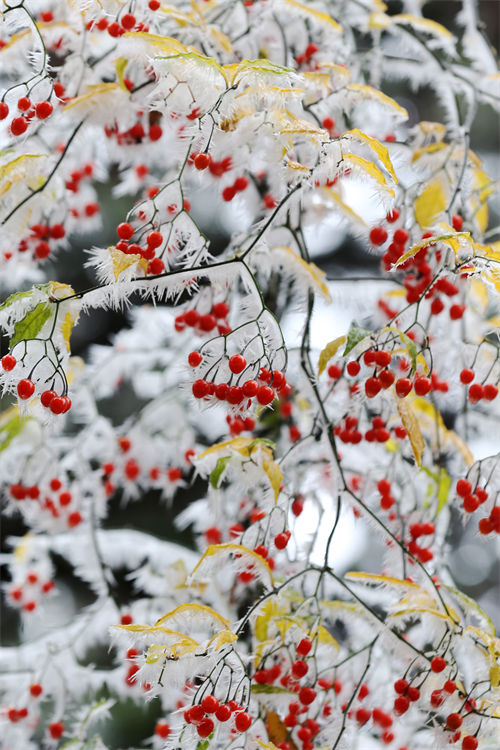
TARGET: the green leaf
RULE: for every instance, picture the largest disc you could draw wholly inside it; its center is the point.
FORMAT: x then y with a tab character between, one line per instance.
442	481
31	325
15	298
11	429
354	336
216	474
203	744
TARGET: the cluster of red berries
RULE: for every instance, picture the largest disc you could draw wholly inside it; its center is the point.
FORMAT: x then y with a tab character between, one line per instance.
384	377
18	714
200	715
472	499
39	240
127	22
237	425
417	530
26	595
136	133
132	654
154	240
477	391
26	388
239	185
41	111
52	504
204	323
236	394
348	432
406	694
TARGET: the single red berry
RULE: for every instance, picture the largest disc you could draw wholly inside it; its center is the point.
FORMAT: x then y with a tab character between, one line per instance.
74	519
205	727
220	309
328	123
4	110
8	362
401	705
413	693
306	695
422	385
223	713
237	363
56	405
383	358
240	184
35	689
386	378
155	133
25	389
128	21
471	503
453	721
437	306
156	266
207	322
194	358
23	104
372	387
162	729
469	743
43	110
334	371
201	161
466	376
449	686
457	311
490	392
56	729
265	395
363	715
457	222
18	125
403	387
401	236
281	540
304	646
242	721
154	239
464	487
475	393
438	664
485	526
125	230
299	668
210	704
65	498
353	368
200	388
250	388
392	216
378	236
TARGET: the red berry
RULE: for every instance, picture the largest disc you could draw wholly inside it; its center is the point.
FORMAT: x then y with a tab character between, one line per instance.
437	306
334	371
464	487
223	713
25	389
392	216
155	133
128	21
422	385
162	729
43	110
453	721
490	392
457	222
250	388
413	694
304	646
457	311
449	686
205	727
210	704
403	387
401	705
156	266
200	388
299	668
4	110
23	104
201	161
242	721
8	362
471	503
154	4
194	358
438	664
228	193
207	322
475	393
154	239
125	230
220	309
56	729
372	387
328	123
378	235
74	519
56	405
382	358
386	378
353	368
485	526
18	125
240	184
469	743
281	540
237	363
466	376
35	689
265	395
401	686
306	695
363	715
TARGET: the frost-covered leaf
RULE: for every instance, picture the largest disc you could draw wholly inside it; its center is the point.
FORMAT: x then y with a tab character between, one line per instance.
30	326
329	351
354	337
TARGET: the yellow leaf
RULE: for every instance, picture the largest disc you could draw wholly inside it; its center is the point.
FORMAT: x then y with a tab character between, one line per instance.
67	328
198	612
163	43
368	167
328	352
274	474
423	24
375	578
451	239
259	564
314	274
410	424
277	731
431	202
346	210
369	92
430	419
432	148
122	261
93	91
495	675
120	67
377	147
315	15
270	610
